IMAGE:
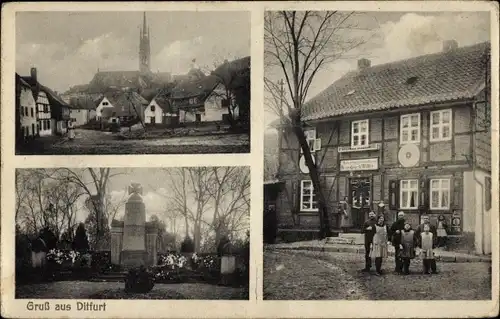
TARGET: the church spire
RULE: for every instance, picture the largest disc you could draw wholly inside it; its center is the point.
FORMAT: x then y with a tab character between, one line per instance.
144	47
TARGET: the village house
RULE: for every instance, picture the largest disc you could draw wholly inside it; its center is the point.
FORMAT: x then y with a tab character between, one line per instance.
26	124
161	111
52	112
125	106
412	136
82	110
200	99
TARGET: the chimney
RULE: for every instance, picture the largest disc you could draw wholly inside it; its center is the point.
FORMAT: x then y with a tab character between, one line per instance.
449	45
33	75
363	64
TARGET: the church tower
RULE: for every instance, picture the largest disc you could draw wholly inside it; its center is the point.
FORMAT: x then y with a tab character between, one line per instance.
144	48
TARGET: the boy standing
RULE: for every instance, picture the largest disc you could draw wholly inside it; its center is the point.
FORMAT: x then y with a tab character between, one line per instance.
407	248
427	243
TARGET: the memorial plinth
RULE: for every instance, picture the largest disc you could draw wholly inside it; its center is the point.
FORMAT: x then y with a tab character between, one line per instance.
133	241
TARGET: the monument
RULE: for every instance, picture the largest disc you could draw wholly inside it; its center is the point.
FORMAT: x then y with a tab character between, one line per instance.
133	240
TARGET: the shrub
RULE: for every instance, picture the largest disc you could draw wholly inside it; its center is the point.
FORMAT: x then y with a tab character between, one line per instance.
81	241
101	261
187	245
139	280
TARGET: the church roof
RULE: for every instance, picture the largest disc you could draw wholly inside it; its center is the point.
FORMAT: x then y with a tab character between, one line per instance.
117	79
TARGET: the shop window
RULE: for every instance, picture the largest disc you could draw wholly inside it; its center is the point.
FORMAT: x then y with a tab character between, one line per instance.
440	193
441	125
408	196
359	133
308	200
410	128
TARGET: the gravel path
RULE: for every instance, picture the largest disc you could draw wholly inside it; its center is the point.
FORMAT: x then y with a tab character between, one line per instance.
292	275
455	281
84	289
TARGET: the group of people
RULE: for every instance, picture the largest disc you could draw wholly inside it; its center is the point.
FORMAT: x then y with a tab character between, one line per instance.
408	242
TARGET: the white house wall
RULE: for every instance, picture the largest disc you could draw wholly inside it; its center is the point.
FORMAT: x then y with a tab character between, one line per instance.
103	104
44	117
28	122
80	116
157	114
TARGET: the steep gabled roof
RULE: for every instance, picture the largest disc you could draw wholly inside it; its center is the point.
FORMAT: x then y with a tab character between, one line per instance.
117	79
82	102
124	103
440	77
163	101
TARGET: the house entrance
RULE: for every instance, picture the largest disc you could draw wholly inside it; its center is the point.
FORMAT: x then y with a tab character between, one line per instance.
360	200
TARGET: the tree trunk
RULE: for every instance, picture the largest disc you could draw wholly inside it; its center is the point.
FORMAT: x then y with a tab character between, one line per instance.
324	220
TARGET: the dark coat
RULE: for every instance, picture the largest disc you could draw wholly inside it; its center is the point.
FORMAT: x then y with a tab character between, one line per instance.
408	250
369	233
397	225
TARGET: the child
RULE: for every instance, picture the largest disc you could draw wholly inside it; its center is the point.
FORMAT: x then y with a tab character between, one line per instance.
442	234
427	245
380	244
408	242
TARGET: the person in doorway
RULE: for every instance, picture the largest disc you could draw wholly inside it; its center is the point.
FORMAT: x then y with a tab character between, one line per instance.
346	217
369	231
380	244
442	232
407	245
427	243
396	229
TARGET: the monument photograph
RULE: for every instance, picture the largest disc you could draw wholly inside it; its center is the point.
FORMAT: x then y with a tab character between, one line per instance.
132	233
155	82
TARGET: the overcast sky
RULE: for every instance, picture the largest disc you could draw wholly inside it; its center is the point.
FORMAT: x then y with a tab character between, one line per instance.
68	47
400	35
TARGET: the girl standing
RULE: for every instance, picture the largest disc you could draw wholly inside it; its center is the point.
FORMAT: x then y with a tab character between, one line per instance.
380	244
407	248
442	233
427	245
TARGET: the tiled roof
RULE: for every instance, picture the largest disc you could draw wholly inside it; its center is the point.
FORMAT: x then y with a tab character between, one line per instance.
82	102
122	104
197	87
163	101
433	78
54	98
21	81
78	88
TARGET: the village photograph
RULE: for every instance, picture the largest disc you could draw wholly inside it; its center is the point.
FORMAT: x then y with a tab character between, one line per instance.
132	82
377	156
132	233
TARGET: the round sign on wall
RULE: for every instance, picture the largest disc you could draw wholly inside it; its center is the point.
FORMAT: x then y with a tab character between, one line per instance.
409	155
303	166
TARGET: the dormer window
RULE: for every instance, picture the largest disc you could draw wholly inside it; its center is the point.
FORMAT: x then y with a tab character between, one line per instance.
359	133
152	108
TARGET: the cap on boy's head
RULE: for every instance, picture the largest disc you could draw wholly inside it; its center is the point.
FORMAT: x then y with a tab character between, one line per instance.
371	214
401	214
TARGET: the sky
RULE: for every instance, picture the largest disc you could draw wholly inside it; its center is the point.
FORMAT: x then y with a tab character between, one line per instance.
399	35
68	47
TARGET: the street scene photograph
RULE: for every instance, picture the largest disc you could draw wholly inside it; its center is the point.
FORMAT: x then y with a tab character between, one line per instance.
377	156
132	233
155	82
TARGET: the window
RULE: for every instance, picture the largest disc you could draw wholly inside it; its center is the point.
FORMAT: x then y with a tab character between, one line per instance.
441	125
440	193
48	124
310	137
410	128
40	107
105	103
32	113
308	201
359	133
408	194
44	125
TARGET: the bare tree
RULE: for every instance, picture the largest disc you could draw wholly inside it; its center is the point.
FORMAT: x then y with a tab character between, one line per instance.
299	45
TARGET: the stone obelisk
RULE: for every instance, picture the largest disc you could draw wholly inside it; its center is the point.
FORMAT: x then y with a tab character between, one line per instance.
134	251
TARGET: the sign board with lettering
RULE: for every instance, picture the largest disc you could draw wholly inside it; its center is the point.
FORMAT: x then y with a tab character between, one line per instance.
367	164
370	147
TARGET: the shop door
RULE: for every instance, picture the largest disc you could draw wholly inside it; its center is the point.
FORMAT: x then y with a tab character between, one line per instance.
359	197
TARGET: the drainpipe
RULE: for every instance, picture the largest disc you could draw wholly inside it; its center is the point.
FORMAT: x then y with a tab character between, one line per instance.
481	185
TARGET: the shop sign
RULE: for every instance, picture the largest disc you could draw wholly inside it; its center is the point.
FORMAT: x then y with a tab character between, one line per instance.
366	164
456	223
347	149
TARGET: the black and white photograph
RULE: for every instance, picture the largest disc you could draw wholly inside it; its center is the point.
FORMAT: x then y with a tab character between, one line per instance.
154	82
377	156
132	233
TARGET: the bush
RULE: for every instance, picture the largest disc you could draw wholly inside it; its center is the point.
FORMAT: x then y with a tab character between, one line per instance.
187	245
81	242
139	280
101	261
